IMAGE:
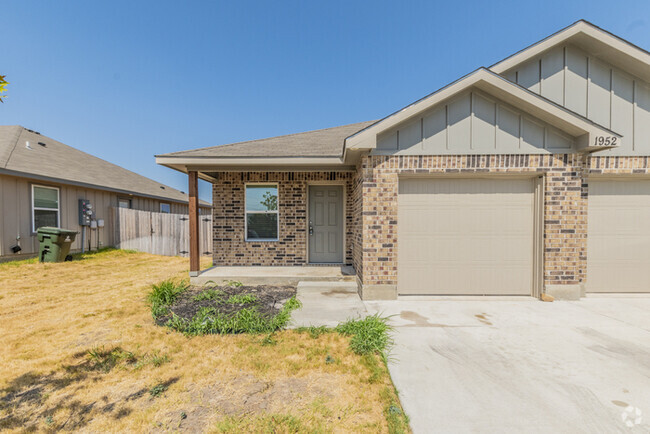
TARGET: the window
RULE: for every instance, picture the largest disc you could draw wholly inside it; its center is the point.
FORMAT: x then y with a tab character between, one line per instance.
45	207
165	208
124	203
261	212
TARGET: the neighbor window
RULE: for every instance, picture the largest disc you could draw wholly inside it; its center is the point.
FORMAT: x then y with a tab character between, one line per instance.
262	212
165	208
45	207
124	203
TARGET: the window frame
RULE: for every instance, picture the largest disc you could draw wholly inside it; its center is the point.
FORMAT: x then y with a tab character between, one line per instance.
40	208
124	199
165	203
277	212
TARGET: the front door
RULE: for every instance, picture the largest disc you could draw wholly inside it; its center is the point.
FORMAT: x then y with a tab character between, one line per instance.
325	224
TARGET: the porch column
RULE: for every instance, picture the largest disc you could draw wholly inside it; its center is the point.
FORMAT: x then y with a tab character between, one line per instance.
195	258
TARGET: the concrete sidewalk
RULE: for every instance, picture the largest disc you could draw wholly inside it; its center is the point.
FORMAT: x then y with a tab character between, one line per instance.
327	304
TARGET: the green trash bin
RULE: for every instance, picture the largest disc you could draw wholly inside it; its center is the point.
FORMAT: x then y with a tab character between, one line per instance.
54	243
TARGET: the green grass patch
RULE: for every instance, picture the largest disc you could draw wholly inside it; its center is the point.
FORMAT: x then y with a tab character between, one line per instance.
241	299
370	335
105	360
163	294
209	294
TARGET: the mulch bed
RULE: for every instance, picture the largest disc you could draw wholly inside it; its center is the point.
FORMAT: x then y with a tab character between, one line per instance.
269	300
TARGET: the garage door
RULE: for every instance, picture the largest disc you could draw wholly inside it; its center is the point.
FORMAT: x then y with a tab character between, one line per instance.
465	236
618	245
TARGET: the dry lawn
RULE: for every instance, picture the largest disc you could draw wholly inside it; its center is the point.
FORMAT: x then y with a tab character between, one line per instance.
80	351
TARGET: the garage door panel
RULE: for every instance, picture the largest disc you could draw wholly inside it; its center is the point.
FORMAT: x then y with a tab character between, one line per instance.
618	246
476	237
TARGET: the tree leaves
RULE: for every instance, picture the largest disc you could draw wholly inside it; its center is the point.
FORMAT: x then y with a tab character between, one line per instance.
3	86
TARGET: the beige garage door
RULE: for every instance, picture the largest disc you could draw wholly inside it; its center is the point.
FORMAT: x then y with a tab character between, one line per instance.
618	245
465	236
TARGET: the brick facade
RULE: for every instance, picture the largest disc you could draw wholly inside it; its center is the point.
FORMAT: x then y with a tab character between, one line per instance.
565	208
230	245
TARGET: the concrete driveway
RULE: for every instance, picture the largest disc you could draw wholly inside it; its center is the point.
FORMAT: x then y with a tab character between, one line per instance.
521	365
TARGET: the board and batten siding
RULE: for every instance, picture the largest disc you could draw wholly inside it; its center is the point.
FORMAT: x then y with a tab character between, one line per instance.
16	212
592	88
473	123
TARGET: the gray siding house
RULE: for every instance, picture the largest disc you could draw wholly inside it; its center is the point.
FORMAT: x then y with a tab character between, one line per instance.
528	177
41	181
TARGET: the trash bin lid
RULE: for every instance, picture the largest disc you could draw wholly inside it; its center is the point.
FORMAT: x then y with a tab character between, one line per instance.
55	231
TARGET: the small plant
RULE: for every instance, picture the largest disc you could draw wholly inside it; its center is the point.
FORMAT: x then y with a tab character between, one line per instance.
49	420
241	299
368	336
314	332
209	294
155	359
329	359
105	360
163	295
232	283
268	340
158	390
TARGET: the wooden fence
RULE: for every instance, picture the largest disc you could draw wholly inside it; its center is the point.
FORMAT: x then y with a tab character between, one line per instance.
158	233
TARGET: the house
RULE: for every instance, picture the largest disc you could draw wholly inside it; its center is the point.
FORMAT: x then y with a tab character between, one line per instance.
42	180
531	176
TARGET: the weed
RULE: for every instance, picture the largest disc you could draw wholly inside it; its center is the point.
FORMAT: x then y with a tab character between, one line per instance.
314	332
268	340
209	294
155	359
233	283
49	420
370	335
105	360
241	299
158	390
376	369
163	295
329	359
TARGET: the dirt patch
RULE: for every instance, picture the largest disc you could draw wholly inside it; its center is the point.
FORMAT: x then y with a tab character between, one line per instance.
228	300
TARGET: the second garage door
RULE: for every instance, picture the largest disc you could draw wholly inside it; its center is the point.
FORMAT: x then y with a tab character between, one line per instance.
465	236
618	245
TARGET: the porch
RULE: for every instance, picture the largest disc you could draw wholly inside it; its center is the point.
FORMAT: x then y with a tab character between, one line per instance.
276	275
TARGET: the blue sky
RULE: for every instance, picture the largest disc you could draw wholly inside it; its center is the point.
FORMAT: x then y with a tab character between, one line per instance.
125	80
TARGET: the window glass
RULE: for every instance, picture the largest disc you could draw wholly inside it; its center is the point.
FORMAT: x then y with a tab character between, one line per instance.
165	208
45	207
125	203
46	197
45	218
261	212
262	226
261	198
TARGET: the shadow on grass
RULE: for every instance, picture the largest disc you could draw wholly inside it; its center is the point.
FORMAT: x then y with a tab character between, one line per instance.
25	403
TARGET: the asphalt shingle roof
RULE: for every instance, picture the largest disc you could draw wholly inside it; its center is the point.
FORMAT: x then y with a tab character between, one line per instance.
49	158
327	142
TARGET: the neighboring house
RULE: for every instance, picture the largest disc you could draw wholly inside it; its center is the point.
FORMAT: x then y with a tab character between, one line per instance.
531	176
41	181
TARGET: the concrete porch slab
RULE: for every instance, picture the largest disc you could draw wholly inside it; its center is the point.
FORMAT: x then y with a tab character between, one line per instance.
276	275
327	304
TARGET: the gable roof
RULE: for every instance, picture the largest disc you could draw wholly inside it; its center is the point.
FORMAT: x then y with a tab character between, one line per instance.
498	86
591	39
327	142
49	159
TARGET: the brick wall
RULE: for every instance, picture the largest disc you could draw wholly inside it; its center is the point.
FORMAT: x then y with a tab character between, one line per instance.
619	165
565	208
230	246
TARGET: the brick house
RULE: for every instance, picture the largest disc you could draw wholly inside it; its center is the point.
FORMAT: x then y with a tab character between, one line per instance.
528	177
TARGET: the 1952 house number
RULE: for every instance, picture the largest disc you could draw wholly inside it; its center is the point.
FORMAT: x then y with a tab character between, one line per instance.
605	141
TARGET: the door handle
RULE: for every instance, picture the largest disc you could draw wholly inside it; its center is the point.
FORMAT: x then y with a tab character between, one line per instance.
311	228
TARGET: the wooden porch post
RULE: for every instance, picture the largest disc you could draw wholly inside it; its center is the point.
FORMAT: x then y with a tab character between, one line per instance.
195	258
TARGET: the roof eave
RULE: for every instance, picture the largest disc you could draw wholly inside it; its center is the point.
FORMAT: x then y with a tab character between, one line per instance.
216	164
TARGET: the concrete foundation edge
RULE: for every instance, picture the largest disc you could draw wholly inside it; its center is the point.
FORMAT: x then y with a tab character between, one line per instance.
376	292
565	292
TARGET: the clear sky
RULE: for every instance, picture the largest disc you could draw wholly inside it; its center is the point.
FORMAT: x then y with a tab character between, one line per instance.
125	80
